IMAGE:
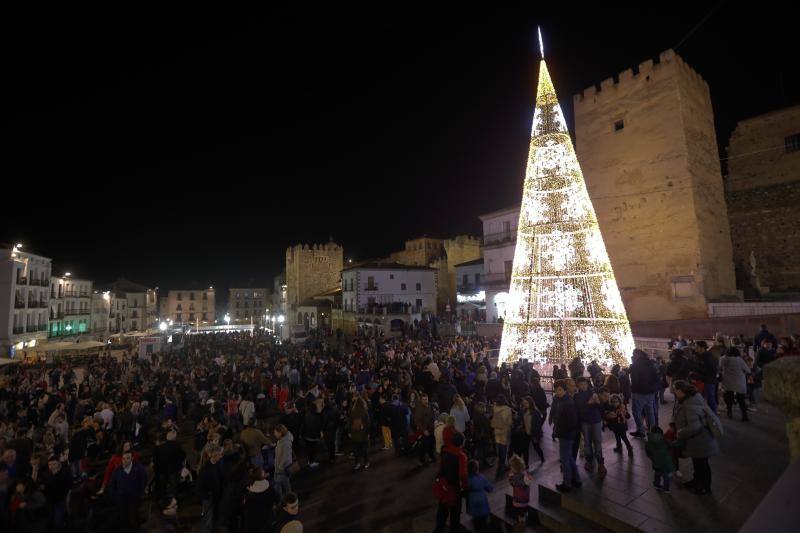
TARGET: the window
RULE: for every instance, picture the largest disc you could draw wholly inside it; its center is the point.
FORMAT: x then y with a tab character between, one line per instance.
465	279
419	303
180	296
237	314
792	143
509	267
237	305
619	125
205	296
477	280
179	307
205	316
402	286
371	283
178	317
391	276
419	287
191	317
191	296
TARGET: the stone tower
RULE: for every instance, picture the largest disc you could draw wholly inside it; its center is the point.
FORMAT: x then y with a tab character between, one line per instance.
647	146
310	270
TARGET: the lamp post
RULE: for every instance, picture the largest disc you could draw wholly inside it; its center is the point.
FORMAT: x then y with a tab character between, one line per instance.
281	319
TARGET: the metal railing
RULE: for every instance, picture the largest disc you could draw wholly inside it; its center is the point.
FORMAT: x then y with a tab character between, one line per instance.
18	330
496	279
505	237
76	294
22	281
19	304
73	312
56	316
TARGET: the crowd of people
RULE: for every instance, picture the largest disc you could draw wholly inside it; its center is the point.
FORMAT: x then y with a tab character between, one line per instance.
228	420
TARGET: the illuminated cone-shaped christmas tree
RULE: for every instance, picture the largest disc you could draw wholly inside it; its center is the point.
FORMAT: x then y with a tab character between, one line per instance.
563	300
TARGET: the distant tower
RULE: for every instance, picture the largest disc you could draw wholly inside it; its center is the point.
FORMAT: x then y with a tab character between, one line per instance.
647	147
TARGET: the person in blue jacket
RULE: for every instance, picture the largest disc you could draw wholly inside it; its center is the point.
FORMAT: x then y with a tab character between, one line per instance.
477	499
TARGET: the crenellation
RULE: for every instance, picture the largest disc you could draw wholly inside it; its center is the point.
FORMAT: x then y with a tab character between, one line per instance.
626	76
646	67
607	84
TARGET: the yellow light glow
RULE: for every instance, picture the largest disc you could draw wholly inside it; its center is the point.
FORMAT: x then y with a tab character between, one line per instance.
564	301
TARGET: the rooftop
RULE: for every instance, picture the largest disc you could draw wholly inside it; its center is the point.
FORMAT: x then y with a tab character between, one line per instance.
478	261
386	266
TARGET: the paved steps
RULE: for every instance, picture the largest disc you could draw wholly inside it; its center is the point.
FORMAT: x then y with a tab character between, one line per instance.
600	511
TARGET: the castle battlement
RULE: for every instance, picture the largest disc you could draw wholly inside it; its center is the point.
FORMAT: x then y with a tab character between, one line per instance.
299	248
666	64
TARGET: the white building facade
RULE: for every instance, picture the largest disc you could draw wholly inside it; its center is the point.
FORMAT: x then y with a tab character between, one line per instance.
499	243
132	307
24	299
70	306
388	296
470	294
101	310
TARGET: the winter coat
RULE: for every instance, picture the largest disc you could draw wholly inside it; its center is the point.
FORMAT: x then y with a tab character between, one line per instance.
644	377
587	413
693	434
257	512
477	501
658	451
461	416
734	373
565	424
312	426
283	453
678	368
359	423
501	423
423	418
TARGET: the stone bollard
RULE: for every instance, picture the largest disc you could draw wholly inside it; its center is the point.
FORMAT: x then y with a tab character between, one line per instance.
782	388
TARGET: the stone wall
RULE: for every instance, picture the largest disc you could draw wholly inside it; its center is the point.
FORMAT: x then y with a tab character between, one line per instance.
312	269
657	189
762	193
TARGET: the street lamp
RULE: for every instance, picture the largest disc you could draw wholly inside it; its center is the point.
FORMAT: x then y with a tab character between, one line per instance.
281	319
162	326
227	319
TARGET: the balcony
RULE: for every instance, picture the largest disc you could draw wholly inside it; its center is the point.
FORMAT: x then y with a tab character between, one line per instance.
496	280
19	304
373	287
32	329
74	312
39	282
18	330
42	327
396	308
56	316
469	288
77	294
22	281
495	239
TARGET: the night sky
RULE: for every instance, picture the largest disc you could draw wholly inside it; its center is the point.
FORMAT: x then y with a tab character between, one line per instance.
191	147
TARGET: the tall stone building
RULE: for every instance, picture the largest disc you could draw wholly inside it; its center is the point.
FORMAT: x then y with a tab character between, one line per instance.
311	270
646	142
762	189
443	255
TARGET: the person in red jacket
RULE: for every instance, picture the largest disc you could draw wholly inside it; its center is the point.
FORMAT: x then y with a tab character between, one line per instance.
116	461
453	479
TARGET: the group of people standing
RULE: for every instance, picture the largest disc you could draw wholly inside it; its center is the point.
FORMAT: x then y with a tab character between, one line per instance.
224	421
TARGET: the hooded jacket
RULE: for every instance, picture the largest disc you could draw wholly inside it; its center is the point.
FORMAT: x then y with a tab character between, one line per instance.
693	433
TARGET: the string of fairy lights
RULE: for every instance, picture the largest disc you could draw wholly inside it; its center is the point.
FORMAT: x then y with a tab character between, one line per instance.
563	300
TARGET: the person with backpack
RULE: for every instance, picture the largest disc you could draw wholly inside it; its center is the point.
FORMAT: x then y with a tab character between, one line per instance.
698	429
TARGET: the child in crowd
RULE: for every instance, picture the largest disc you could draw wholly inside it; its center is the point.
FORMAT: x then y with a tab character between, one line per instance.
477	500
658	451
520	481
616	417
